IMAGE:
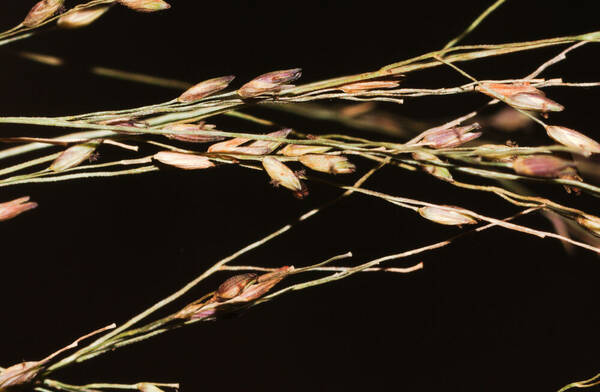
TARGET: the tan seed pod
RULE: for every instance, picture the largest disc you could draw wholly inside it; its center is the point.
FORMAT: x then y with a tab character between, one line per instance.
540	165
495	152
269	83
145	5
234	286
81	18
75	155
451	137
184	133
43	10
263	284
571	138
507	89
334	164
205	88
296	150
270	146
359	87
14	208
535	102
227	145
258	147
446	216
183	161
281	174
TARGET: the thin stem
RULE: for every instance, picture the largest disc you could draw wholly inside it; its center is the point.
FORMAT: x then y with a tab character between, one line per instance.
475	23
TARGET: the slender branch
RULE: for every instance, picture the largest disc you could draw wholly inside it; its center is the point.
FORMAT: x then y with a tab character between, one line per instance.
475	23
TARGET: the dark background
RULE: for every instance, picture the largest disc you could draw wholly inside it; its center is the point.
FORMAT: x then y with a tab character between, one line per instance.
497	311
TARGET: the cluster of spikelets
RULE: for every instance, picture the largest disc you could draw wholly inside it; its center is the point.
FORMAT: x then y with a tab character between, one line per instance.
232	295
527	98
45	9
519	95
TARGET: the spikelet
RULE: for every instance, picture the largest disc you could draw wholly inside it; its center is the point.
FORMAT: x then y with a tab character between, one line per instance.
145	5
446	216
183	160
269	83
81	18
43	10
205	88
571	138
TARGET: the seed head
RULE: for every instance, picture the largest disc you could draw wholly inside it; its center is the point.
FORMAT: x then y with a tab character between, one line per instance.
283	175
183	160
41	11
334	164
205	88
269	83
446	216
145	5
75	155
184	133
451	137
13	208
571	138
81	18
540	165
295	150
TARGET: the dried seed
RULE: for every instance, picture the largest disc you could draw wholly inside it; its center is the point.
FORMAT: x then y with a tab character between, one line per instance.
571	138
334	164
75	155
446	216
205	88
184	133
263	284
540	165
366	86
536	102
13	208
145	5
183	160
281	174
296	150
81	18
451	137
269	83
507	89
42	11
234	286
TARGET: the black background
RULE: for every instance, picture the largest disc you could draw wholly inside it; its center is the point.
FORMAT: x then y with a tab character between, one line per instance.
497	311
